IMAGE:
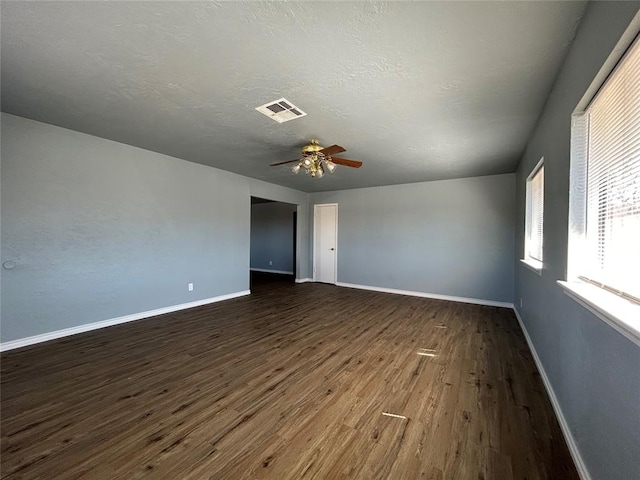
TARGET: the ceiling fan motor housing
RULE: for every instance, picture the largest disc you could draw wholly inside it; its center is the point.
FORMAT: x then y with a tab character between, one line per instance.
313	148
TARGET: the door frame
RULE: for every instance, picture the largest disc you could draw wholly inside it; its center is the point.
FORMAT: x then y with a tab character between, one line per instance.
315	230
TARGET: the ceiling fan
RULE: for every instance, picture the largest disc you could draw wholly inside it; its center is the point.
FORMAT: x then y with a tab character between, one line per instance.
317	159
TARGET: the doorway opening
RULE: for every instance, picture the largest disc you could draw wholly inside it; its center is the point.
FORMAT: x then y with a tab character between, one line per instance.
273	243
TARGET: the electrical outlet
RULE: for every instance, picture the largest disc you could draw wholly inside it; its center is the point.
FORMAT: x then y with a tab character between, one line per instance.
190	287
520	302
270	262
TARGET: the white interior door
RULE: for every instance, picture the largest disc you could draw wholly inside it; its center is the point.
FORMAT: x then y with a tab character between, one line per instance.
325	265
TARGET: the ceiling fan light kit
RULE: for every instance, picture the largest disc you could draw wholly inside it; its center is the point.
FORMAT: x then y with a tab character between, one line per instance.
317	159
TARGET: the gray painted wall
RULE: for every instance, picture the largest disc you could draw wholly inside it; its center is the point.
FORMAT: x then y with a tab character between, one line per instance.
272	236
100	229
594	371
451	237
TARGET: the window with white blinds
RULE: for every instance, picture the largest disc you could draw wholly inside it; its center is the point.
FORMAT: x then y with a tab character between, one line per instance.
611	243
535	216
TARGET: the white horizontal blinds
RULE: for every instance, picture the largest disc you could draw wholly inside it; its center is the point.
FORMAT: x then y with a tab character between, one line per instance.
613	180
536	185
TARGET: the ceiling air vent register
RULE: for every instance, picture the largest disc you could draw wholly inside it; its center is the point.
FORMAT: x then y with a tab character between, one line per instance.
282	110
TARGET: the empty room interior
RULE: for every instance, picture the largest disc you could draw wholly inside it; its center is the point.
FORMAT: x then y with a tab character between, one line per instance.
328	240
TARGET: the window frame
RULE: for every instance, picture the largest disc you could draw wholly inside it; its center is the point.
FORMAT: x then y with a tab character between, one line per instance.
620	313
529	261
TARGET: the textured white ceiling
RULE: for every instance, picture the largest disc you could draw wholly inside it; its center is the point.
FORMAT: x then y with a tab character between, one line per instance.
418	91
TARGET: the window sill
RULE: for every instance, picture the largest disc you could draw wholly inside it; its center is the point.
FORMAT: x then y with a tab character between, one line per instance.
621	314
533	265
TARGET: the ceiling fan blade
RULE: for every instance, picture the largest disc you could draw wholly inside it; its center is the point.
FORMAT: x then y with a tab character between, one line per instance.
282	163
346	162
332	150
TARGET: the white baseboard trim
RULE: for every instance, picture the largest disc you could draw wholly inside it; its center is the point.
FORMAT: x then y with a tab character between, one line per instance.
44	337
265	270
437	296
564	426
303	280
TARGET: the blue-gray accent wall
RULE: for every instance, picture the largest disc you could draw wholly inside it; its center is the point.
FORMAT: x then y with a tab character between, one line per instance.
272	236
449	237
98	229
594	370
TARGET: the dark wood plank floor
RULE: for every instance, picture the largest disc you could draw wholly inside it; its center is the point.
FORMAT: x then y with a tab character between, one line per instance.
292	382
